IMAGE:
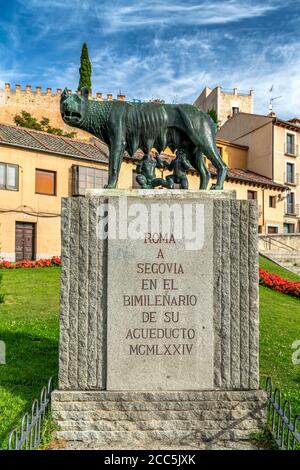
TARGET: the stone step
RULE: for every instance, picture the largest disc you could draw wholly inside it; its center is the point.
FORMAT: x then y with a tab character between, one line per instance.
151	438
99	415
97	445
158	396
95	406
156	425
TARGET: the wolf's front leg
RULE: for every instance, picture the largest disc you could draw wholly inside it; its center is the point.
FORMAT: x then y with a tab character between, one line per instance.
114	163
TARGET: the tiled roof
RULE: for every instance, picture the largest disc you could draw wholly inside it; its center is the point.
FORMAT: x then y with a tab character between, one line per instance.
247	176
41	141
287	124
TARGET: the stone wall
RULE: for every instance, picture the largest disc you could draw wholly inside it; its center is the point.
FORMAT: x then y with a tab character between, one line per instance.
40	104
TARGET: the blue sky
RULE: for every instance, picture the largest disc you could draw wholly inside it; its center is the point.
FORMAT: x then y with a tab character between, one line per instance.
157	49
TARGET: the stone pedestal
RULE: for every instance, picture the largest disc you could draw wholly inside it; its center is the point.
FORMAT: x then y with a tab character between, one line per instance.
159	328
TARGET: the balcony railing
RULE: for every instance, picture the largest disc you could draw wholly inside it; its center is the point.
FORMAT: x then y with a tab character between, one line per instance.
291	178
292	209
291	149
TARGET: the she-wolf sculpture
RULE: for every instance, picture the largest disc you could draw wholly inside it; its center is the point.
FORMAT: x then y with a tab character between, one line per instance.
132	126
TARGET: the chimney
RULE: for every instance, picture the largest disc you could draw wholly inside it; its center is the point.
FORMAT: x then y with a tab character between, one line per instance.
48	91
109	96
18	89
99	96
38	90
28	88
272	114
7	86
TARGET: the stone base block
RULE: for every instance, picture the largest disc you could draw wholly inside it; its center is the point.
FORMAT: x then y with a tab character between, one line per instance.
151	420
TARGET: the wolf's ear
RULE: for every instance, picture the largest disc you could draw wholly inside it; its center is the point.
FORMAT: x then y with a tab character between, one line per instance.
85	92
64	94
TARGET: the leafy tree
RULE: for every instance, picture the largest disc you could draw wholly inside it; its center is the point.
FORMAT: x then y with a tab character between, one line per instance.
25	119
214	117
85	70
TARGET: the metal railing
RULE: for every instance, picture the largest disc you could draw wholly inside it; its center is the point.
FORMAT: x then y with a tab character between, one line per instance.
291	208
284	428
235	91
291	178
29	434
291	149
269	241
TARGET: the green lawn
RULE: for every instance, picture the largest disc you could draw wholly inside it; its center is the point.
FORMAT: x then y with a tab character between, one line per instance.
276	269
29	327
279	328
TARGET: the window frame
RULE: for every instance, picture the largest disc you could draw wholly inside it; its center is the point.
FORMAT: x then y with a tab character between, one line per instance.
76	177
292	195
272	199
252	192
291	164
291	147
289	224
5	186
276	226
55	182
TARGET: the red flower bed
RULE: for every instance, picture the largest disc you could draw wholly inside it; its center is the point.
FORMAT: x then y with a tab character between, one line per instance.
40	263
275	282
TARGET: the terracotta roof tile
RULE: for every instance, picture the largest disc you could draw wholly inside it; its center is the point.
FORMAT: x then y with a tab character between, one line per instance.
247	176
41	141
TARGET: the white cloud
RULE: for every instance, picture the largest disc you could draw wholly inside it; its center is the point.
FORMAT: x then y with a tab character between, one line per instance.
143	13
176	63
160	74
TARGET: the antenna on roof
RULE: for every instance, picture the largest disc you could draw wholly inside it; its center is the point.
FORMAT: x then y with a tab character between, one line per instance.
272	99
271	103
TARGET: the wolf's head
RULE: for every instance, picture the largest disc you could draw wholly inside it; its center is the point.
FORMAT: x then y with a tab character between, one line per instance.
74	107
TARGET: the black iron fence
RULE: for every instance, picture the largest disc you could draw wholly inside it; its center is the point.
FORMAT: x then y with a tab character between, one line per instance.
284	427
29	434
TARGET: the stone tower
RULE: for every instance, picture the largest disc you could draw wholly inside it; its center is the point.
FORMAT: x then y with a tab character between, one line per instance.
225	102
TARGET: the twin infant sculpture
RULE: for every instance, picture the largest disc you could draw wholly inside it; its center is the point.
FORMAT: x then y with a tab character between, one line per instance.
146	176
126	126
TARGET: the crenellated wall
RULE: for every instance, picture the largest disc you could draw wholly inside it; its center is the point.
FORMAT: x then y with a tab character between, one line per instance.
40	104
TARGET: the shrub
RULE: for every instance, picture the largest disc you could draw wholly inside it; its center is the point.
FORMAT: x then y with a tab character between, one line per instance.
40	263
275	282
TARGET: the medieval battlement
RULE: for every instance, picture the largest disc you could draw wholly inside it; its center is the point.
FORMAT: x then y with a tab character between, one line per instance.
9	94
41	104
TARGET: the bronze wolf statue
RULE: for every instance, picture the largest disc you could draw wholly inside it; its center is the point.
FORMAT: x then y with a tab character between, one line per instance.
132	126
